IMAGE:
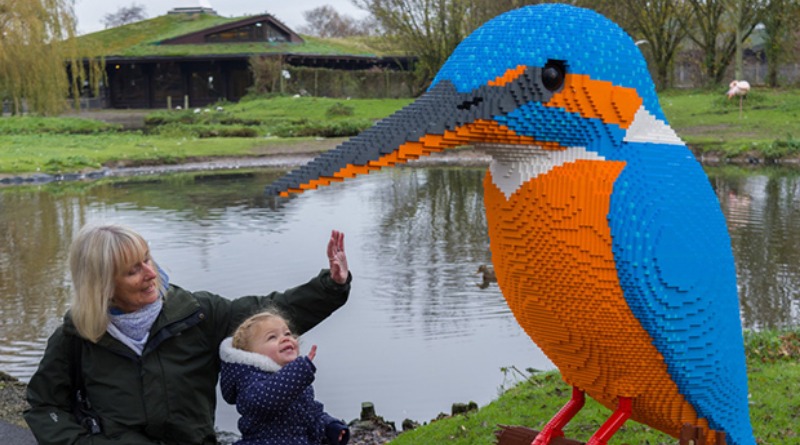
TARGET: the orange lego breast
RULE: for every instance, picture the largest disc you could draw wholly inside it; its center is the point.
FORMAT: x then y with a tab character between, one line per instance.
552	252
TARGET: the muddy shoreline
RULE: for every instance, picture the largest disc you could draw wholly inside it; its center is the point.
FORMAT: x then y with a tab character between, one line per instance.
299	153
12	400
14	430
289	157
369	429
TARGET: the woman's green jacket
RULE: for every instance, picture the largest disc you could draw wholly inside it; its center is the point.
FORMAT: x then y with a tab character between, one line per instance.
168	394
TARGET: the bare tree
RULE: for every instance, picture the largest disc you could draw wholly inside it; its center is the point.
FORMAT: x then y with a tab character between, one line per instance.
712	28
780	39
480	11
657	25
325	21
38	39
428	29
124	15
431	29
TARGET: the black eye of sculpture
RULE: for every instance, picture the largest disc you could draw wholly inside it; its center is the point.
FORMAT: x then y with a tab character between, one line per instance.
553	75
467	104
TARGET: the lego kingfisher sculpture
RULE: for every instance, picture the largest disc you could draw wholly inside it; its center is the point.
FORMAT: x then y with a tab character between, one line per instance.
607	239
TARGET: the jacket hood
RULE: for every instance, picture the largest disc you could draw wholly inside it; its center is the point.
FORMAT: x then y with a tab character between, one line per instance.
231	355
239	367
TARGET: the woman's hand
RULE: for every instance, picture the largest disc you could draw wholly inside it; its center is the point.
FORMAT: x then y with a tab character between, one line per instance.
312	353
337	257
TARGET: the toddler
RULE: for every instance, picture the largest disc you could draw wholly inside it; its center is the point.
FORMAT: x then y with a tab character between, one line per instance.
264	375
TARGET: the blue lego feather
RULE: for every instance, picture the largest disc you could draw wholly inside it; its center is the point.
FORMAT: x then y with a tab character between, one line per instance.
529	36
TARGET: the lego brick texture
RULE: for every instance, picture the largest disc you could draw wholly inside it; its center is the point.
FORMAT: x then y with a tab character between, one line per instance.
607	238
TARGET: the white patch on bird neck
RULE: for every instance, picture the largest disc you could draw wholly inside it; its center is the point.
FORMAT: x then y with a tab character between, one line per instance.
646	128
514	165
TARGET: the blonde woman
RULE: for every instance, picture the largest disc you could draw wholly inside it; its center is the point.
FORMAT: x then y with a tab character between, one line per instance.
148	348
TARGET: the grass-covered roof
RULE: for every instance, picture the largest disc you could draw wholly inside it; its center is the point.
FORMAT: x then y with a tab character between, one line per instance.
143	39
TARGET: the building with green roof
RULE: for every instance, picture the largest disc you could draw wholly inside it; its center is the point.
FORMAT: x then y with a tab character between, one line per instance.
192	56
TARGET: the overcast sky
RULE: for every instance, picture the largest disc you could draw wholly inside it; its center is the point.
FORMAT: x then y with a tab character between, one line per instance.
90	13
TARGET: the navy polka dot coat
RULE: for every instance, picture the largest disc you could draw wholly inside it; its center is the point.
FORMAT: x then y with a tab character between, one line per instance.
276	403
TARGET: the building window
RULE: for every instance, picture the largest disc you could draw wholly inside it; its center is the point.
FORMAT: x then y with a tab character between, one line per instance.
257	32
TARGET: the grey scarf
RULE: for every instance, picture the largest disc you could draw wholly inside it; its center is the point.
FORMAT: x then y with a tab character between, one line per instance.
133	328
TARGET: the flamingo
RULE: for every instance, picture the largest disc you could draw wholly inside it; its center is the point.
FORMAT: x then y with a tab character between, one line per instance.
739	88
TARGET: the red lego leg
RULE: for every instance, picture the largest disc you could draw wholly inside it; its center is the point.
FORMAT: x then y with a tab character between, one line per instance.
614	423
555	427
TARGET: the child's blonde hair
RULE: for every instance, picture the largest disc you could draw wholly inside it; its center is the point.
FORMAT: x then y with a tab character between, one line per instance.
243	334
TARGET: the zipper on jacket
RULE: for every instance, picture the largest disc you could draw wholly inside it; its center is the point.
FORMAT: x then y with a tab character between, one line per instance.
173	329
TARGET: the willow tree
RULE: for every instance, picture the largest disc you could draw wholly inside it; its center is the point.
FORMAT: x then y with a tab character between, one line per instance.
431	29
41	63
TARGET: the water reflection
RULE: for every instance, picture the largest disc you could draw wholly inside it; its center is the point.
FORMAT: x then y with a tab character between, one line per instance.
418	332
33	285
762	211
432	228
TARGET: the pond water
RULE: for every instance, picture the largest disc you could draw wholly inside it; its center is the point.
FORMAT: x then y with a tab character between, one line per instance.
418	332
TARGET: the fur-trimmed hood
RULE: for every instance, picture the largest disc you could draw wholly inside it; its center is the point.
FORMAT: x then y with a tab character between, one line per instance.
276	403
240	369
231	355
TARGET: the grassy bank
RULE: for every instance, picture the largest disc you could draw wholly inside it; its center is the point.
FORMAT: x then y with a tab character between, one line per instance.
773	369
249	128
768	128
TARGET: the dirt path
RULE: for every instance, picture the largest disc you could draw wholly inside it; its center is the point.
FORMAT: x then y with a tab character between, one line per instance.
129	119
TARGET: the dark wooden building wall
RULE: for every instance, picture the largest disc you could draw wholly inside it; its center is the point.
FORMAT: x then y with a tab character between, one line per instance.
149	84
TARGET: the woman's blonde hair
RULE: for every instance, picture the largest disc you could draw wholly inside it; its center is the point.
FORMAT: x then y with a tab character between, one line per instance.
100	253
243	334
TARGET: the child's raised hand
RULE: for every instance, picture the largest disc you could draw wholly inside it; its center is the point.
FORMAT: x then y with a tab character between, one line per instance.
312	353
337	432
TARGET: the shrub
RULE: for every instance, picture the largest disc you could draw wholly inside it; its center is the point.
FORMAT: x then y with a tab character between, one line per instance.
342	128
53	125
69	163
227	132
340	109
171	117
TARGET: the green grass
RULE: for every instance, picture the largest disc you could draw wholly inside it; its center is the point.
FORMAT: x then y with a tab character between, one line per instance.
61	153
120	40
769	126
769	122
283	117
248	128
773	371
44	125
316	108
